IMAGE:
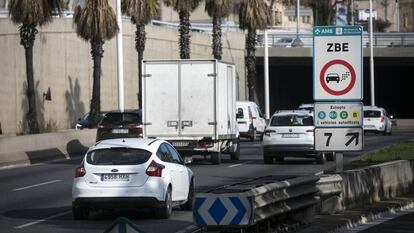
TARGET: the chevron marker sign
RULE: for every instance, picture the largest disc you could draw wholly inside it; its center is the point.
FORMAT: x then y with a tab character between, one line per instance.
223	211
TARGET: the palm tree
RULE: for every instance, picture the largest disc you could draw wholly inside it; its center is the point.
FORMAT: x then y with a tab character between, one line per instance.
217	9
95	23
141	12
253	15
29	14
184	7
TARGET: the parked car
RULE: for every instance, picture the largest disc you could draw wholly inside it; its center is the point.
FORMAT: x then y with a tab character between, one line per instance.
130	173
285	42
117	124
377	120
306	107
83	122
250	120
290	134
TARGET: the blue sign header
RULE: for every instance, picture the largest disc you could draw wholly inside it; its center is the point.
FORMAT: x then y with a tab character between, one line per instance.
337	31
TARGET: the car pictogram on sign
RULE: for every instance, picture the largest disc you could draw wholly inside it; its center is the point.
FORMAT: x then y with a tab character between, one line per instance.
332	77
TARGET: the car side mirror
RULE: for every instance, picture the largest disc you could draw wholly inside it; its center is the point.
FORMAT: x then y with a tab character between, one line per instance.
188	160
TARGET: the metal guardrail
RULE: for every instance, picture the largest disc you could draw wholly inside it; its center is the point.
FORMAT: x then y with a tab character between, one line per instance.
330	192
247	203
381	40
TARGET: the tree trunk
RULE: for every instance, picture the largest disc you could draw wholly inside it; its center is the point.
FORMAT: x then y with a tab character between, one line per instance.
217	43
184	34
28	36
95	107
251	64
140	38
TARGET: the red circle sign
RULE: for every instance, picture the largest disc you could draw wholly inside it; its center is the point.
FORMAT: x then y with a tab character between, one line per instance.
337	62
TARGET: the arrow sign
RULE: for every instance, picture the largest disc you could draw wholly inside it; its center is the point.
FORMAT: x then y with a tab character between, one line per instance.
353	136
338	139
219	210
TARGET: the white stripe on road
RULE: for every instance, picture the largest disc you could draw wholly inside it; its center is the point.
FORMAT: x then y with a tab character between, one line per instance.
239	164
36	185
41	220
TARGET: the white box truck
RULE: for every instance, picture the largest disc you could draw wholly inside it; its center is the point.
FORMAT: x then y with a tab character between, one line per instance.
191	104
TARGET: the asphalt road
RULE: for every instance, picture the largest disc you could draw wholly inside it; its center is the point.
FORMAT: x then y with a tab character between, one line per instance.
38	198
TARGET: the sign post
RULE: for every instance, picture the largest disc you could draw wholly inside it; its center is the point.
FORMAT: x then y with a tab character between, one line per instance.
338	89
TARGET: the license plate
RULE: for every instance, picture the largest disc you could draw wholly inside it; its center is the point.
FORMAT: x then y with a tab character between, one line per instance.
369	126
290	135
115	177
180	144
120	131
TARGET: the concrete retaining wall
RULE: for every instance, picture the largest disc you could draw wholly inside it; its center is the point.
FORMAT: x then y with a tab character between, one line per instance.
32	149
62	61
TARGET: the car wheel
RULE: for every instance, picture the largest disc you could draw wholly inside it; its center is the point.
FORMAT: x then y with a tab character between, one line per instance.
267	158
385	131
80	213
236	154
330	156
254	136
279	158
320	158
190	198
216	157
165	211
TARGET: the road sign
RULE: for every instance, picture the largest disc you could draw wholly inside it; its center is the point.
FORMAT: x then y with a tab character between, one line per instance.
337	63
339	139
223	211
338	114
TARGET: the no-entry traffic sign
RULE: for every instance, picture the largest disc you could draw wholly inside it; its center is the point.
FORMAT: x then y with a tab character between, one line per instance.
337	63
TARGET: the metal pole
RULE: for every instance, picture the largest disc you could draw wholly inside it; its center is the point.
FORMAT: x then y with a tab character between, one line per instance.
352	12
266	72
397	15
120	60
297	42
371	48
339	161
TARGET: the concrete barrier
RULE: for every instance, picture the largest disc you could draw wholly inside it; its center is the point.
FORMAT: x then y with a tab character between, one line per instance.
32	149
364	186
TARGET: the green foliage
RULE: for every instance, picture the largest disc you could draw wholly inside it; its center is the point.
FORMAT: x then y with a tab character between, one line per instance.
403	150
253	14
218	8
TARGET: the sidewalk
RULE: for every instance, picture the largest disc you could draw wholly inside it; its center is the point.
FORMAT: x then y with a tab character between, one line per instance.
350	218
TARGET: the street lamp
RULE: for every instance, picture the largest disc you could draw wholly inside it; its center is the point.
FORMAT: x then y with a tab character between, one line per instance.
297	42
120	60
371	59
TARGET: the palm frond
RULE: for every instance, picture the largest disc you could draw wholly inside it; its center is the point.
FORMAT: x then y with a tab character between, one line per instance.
97	20
253	14
140	11
219	8
183	5
36	12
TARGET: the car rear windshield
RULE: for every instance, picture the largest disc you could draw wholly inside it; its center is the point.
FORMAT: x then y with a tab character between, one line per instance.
122	118
240	113
118	156
292	120
372	113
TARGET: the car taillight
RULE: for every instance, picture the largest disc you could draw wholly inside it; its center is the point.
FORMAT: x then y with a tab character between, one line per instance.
136	126
204	144
267	132
154	169
382	119
250	116
103	126
80	171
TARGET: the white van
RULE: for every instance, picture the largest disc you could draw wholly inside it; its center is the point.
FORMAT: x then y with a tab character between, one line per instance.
250	120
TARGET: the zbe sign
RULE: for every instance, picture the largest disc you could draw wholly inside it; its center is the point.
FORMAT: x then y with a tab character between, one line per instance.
337	63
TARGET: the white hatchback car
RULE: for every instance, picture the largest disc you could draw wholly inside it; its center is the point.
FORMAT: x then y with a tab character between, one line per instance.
290	134
250	120
132	173
376	120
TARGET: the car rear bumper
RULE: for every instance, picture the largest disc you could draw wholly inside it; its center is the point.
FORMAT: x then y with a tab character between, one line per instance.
291	150
117	202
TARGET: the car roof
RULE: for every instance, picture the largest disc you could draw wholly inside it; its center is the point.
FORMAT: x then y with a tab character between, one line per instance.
306	105
293	112
135	143
368	107
126	111
245	102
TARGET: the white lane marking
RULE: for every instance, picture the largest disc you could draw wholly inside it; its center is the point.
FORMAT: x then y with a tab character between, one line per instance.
239	164
41	220
190	228
36	185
